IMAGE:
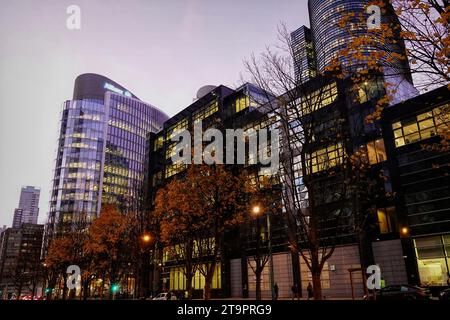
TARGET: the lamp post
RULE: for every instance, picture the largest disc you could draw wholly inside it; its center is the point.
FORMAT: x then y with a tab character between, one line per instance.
256	211
146	239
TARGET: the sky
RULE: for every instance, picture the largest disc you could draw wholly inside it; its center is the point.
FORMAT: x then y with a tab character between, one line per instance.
161	50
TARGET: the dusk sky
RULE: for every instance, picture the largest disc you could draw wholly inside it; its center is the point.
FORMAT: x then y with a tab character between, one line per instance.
161	50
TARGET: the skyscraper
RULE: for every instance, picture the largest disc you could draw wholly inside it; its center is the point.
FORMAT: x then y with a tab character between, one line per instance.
102	151
28	210
304	55
329	37
315	48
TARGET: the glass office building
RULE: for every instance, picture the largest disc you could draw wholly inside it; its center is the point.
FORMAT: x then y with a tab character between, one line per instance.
102	151
304	55
329	38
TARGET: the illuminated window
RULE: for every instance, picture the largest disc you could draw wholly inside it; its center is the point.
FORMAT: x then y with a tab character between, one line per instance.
432	259
387	220
422	126
376	151
159	142
173	169
176	129
368	90
242	103
319	98
326	158
205	112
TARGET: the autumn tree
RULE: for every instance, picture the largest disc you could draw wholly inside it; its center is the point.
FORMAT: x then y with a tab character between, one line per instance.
198	209
178	224
107	246
411	43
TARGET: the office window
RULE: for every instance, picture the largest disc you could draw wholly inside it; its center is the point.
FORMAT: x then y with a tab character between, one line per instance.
376	151
177	128
319	98
206	111
368	90
422	126
241	103
387	220
173	169
326	158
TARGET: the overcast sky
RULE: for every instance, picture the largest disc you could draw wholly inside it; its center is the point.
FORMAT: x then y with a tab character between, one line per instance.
161	50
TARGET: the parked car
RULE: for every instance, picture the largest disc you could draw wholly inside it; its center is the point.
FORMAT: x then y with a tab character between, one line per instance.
445	295
403	292
166	296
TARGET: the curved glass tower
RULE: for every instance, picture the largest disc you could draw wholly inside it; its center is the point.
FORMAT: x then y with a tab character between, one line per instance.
102	151
329	38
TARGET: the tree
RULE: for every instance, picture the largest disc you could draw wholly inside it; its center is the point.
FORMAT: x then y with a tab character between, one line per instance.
107	244
178	218
58	258
316	150
198	209
263	198
412	42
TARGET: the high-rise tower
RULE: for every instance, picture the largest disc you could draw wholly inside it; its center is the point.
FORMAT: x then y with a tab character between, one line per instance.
102	151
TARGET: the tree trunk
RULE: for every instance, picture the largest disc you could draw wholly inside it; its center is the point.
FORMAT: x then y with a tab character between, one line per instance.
258	285
189	277
207	293
317	285
64	286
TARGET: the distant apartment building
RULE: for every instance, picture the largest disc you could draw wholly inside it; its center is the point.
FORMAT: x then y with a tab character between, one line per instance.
20	250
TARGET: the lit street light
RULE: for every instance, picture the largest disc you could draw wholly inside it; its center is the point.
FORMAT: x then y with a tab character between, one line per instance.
257	212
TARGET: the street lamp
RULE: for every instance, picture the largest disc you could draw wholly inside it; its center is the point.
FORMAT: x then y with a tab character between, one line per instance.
257	212
146	238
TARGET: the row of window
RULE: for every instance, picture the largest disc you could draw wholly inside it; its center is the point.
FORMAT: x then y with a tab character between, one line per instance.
422	126
206	111
319	98
325	158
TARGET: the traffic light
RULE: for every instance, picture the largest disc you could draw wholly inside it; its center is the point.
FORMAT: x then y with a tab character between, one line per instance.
115	288
48	290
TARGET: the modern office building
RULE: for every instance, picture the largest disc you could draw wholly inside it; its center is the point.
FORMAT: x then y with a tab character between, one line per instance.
419	165
329	37
20	250
304	54
221	108
102	152
315	47
28	209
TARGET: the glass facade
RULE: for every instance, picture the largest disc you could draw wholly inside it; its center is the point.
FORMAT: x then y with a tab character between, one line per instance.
421	126
102	153
304	55
433	258
329	38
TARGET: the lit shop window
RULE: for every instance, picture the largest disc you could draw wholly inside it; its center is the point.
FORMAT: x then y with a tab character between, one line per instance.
387	220
376	151
326	158
433	257
422	126
319	99
206	112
